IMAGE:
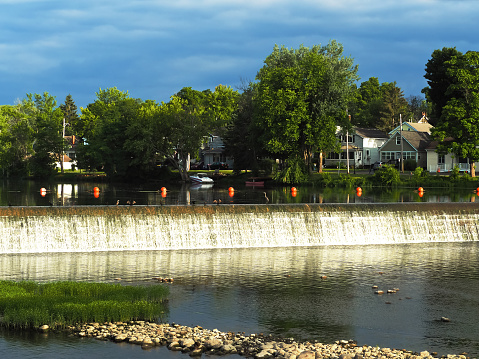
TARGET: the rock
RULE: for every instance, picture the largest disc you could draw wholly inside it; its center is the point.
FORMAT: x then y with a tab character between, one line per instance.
213	344
307	355
120	337
346	356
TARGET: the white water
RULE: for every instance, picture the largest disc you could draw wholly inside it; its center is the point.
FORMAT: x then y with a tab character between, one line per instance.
36	234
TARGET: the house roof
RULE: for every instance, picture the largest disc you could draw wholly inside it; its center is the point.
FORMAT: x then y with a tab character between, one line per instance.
419	140
370	132
412	126
421	127
433	144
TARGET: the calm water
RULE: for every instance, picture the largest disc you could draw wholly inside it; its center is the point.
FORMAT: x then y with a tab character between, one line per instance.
281	291
27	193
269	290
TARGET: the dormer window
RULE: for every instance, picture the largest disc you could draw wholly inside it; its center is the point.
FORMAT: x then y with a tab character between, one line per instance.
398	140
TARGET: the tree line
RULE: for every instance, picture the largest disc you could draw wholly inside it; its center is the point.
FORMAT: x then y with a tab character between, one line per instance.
290	112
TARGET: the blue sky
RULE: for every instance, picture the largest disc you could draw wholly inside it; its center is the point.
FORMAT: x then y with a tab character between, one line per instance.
153	48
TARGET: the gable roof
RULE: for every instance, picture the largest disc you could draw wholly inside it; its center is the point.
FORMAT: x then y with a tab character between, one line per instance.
418	140
370	132
412	126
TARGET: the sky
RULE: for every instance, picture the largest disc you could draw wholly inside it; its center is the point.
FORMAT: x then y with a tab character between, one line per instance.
154	48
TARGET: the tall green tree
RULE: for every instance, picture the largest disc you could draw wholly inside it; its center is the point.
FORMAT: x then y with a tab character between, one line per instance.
49	143
16	140
302	96
242	137
439	80
369	102
70	114
105	125
193	115
458	127
393	105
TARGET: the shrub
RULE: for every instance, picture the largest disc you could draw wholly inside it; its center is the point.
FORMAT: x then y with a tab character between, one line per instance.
386	176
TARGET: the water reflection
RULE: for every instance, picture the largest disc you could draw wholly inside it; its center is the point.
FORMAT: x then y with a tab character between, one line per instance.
27	193
318	293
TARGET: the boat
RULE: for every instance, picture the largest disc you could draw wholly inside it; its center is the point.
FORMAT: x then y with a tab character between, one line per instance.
255	181
201	178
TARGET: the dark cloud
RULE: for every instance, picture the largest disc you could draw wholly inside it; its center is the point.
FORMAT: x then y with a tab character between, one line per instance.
153	48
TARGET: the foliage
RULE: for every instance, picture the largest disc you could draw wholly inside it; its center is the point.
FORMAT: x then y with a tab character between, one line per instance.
16	140
49	144
410	165
293	172
457	130
386	176
73	125
28	305
439	79
394	104
368	103
242	136
301	97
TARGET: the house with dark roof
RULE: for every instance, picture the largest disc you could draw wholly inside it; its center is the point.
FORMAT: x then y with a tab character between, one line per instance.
362	144
412	144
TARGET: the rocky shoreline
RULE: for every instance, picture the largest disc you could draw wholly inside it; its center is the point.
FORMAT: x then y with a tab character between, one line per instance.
196	341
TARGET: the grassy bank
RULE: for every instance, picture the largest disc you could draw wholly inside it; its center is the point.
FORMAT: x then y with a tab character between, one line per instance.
27	305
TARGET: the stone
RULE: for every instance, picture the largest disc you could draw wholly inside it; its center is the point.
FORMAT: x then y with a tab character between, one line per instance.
307	355
213	343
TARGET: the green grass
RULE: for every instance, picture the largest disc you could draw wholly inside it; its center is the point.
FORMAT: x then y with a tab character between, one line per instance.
26	304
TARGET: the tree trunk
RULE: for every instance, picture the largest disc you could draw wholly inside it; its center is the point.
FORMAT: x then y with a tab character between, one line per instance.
473	169
320	165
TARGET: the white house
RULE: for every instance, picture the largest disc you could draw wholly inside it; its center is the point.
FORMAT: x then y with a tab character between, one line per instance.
363	145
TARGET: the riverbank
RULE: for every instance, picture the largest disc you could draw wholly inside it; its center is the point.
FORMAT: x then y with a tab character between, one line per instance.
196	341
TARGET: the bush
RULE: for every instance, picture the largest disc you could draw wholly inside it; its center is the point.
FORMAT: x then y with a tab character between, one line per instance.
293	173
386	176
410	165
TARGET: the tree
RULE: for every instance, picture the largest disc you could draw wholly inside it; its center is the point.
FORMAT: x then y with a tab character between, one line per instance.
16	140
241	139
439	80
458	127
369	102
48	124
192	115
393	105
417	106
105	130
302	97
70	114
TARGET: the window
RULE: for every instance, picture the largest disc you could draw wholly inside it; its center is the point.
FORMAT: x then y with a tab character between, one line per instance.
441	159
398	140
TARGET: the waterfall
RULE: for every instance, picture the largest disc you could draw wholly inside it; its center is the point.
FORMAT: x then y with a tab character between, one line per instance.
117	228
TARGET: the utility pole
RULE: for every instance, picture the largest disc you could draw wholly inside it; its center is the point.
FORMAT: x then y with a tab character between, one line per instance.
402	146
347	145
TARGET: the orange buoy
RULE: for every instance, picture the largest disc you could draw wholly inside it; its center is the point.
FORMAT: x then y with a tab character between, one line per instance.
231	189
96	189
163	194
421	193
420	189
293	189
359	189
359	193
163	189
96	194
294	193
231	193
43	192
